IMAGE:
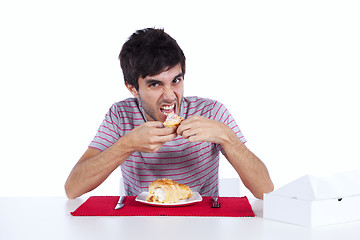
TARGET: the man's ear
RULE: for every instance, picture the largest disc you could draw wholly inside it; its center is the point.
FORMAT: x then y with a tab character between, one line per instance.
132	90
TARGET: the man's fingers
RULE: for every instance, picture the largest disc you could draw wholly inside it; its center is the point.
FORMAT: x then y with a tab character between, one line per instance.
162	134
166	131
156	124
194	122
158	141
182	128
187	133
158	129
167	138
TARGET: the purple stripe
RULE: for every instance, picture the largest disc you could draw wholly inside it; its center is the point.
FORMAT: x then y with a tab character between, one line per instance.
104	126
112	114
222	115
168	169
234	127
96	148
165	145
135	119
174	174
190	114
180	150
189	183
99	143
138	156
104	139
206	113
108	134
227	118
204	193
179	179
122	129
197	105
125	106
131	187
217	111
196	173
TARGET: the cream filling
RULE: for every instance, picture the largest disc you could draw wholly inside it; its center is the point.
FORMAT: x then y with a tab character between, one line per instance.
159	194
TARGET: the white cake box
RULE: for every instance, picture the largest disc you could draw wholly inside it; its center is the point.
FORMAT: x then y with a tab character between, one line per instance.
313	202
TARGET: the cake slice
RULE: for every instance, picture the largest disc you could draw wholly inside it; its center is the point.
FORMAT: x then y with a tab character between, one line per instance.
172	119
167	191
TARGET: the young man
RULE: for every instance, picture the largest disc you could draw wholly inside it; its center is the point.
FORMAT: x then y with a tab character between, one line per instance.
132	134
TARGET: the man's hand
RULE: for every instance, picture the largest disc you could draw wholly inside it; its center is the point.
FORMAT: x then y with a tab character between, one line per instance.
149	137
201	129
251	170
95	166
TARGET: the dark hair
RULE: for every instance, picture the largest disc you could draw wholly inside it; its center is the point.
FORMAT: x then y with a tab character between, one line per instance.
149	52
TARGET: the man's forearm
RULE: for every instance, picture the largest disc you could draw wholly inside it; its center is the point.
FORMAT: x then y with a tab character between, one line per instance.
94	167
250	168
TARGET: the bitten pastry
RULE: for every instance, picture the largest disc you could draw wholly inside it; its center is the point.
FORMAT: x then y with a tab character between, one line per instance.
172	119
167	191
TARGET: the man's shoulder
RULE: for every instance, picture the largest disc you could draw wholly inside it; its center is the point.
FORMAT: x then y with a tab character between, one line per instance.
127	110
195	102
195	105
126	103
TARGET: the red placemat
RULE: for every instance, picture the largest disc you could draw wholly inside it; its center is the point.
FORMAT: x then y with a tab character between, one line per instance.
104	206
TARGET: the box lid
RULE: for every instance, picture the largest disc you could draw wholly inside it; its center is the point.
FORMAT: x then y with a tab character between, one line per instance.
310	188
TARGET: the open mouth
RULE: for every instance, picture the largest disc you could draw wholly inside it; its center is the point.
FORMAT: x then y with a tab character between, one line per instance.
167	109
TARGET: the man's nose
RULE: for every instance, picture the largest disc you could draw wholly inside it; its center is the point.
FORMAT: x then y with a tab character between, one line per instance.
168	93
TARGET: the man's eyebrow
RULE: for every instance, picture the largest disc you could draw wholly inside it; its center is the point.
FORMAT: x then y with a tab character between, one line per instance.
151	81
179	75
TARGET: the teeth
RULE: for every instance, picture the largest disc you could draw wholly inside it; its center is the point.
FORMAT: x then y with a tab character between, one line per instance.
168	107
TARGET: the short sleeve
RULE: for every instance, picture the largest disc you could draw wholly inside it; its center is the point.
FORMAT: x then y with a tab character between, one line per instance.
222	114
107	133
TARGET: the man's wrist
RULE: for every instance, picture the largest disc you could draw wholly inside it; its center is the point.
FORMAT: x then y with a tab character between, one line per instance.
124	144
230	139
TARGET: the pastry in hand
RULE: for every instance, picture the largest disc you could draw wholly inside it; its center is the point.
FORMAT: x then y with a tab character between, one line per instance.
167	191
172	119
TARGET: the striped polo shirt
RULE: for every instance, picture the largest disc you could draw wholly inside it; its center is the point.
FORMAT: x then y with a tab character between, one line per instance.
193	164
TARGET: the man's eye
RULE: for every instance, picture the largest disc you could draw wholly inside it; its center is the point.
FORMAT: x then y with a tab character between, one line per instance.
154	85
176	80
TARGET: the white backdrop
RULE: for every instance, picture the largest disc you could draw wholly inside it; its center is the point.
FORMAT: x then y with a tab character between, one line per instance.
288	71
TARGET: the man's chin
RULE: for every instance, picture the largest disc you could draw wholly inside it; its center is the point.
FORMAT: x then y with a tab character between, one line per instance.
160	117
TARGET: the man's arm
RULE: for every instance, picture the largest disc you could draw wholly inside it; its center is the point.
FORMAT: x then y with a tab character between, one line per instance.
95	166
251	170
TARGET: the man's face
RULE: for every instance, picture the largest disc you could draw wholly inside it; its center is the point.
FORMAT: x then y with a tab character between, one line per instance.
160	94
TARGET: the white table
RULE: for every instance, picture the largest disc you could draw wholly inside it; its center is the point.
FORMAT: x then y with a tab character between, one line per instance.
49	218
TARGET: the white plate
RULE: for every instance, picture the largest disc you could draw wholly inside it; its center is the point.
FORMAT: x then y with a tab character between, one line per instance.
196	197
